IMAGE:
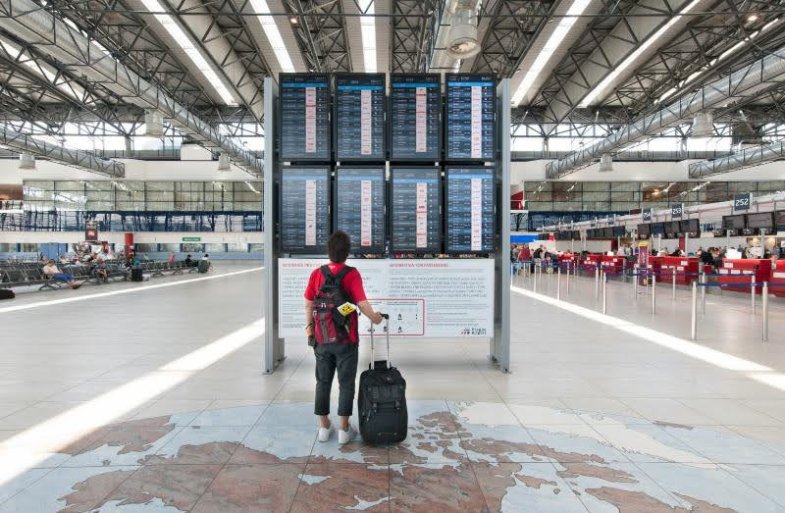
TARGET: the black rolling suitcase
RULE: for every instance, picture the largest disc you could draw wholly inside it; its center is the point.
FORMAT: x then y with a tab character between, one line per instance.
137	274
381	402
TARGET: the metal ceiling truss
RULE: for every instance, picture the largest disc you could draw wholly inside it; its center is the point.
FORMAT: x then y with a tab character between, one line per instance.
735	91
697	51
748	157
321	34
76	158
78	52
412	35
512	27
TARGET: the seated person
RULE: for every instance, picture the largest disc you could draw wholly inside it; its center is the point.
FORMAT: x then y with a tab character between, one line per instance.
189	262
53	272
100	271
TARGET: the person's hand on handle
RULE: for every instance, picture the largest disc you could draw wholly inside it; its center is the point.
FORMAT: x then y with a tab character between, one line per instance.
376	317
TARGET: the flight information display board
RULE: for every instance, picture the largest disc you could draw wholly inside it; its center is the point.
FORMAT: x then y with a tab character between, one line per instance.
470	209
305	209
471	117
415	117
415	210
359	116
305	116
360	207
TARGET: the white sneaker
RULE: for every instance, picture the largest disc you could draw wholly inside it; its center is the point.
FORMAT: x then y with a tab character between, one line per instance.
325	433
344	437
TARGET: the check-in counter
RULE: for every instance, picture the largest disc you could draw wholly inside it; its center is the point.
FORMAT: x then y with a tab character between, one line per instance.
778	278
654	265
612	264
685	269
591	262
740	272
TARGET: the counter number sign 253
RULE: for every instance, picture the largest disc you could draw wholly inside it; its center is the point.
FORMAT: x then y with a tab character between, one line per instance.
676	210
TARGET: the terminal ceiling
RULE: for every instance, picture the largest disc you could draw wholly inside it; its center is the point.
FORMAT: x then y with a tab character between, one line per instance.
610	65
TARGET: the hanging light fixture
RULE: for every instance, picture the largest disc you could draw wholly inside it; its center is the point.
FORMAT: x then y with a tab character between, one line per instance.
224	163
703	125
26	161
153	123
606	163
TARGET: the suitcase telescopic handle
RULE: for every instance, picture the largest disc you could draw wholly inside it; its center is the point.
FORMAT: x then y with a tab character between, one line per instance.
386	317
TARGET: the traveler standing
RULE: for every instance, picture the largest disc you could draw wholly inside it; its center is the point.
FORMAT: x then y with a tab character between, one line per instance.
335	336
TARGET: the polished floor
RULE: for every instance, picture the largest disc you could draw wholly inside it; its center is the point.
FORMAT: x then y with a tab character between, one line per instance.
150	397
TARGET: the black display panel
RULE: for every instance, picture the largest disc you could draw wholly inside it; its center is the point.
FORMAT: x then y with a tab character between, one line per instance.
359	207
359	116
470	120
690	226
415	210
607	233
643	231
734	222
673	227
781	218
619	231
415	117
305	116
657	228
470	209
305	209
761	220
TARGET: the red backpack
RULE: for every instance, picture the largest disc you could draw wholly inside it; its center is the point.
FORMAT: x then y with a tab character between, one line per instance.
330	326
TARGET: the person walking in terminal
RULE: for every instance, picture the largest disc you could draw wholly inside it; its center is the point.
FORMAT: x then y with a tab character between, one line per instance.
54	273
334	334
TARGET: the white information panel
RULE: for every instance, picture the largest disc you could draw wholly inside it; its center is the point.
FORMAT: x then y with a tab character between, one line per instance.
424	298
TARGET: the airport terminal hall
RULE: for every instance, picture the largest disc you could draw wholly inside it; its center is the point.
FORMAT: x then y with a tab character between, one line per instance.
399	256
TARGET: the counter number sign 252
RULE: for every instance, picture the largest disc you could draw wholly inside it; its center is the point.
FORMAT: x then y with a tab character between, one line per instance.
742	201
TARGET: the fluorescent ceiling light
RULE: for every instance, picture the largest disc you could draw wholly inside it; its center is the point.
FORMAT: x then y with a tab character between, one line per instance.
273	35
590	98
553	43
368	31
193	53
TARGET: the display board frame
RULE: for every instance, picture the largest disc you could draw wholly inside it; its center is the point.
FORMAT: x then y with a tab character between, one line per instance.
391	208
279	121
357	248
482	77
446	209
441	119
384	139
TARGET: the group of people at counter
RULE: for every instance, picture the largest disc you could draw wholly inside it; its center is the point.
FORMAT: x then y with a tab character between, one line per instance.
522	254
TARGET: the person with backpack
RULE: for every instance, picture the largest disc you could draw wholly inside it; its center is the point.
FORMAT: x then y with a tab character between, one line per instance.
331	327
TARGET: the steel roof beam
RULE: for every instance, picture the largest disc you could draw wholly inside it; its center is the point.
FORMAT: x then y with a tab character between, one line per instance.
748	157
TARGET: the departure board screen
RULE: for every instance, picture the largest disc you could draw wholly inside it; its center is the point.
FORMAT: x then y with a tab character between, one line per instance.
305	209
415	117
470	210
359	207
416	204
471	117
359	116
305	116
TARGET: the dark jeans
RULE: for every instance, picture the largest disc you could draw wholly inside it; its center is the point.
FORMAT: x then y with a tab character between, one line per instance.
330	357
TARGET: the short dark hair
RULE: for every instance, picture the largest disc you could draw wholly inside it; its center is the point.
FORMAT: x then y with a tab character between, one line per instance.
338	246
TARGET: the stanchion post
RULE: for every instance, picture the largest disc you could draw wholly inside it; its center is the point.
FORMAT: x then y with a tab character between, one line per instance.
694	325
653	294
534	277
765	335
597	282
673	279
704	281
752	294
558	284
568	279
604	293
635	282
